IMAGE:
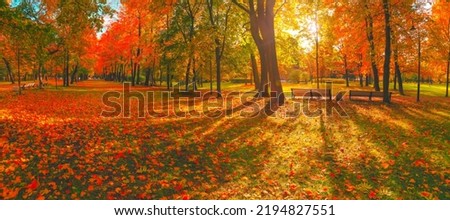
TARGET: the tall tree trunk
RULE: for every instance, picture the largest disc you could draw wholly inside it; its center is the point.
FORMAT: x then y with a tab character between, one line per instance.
124	71
67	68
419	66
219	44
398	74
269	36
152	74
194	73
218	63
263	33
39	74
138	53
168	76
255	23
160	73
74	74
387	52
210	75
186	78
370	38
316	18
147	77
360	62
264	83
448	57
395	78
255	72
361	80
138	74
133	72
448	71
8	69
346	71
18	70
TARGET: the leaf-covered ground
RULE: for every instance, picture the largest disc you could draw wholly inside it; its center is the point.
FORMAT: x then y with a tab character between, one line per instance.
55	145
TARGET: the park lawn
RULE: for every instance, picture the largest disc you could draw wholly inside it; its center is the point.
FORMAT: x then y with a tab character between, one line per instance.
409	88
55	145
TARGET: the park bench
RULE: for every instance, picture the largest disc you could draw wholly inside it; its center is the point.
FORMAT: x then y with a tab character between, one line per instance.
367	94
312	93
28	85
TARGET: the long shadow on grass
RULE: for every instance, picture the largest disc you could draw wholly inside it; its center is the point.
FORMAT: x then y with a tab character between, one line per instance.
207	158
418	167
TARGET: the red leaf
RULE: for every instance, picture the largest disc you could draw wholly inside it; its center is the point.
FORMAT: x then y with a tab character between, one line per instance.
33	185
425	194
186	197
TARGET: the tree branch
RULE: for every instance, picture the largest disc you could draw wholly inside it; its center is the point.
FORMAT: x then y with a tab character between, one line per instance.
281	6
241	6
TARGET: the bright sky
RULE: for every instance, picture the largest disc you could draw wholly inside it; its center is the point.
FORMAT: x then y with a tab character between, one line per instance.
114	4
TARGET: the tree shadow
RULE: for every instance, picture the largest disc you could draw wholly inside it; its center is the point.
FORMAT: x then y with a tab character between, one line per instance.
412	162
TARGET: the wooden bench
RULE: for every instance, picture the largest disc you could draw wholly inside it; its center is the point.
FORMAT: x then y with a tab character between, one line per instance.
368	94
29	85
312	93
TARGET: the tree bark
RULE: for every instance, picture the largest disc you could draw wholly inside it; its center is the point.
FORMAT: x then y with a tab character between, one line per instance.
168	76
398	73
317	43
8	69
147	77
39	74
263	33
218	63
361	81
133	72
210	76
66	68
186	78
346	71
387	52
18	70
269	36
448	71
74	74
255	72
219	44
194	73
370	38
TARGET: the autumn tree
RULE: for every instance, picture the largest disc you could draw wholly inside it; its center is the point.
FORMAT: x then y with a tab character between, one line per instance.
261	16
387	51
72	20
440	37
370	37
218	13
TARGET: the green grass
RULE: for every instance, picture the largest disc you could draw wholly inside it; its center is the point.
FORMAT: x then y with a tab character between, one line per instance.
409	88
